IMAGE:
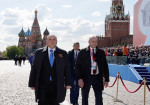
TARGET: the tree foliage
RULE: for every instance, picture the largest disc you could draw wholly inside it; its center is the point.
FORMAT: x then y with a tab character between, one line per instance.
4	54
12	51
21	50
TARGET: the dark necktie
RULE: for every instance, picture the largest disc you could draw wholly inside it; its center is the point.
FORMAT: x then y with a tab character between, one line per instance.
94	70
93	51
94	58
75	58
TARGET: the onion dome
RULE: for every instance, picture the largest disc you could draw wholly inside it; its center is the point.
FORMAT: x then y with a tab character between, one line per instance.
46	32
35	11
28	33
22	33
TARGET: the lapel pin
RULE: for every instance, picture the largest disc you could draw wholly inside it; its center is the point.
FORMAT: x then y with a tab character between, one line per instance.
60	55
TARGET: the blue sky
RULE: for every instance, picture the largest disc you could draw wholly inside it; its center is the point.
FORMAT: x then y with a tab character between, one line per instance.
69	20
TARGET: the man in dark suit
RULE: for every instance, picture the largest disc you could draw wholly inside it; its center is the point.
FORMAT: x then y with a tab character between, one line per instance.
91	67
50	74
74	91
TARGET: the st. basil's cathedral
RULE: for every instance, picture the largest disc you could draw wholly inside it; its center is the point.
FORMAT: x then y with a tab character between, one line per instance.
32	40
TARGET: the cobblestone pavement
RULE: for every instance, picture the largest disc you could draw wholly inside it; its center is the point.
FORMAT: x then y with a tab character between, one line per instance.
14	89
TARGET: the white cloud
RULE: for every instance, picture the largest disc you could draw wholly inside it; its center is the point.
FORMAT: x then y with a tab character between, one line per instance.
12	17
75	25
96	13
8	40
67	6
104	0
72	30
8	22
43	12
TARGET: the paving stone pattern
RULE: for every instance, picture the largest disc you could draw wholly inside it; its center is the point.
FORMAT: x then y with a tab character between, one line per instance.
14	89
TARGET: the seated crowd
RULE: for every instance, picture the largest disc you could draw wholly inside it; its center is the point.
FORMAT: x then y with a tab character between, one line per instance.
134	55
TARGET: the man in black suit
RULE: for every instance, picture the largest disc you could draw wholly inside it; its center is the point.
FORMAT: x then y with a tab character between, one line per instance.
74	91
91	67
50	74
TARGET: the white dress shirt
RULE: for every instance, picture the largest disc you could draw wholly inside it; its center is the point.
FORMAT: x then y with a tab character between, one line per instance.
75	53
93	63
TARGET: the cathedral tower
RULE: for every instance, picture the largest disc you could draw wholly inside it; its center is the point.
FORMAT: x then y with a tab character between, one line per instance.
117	25
36	34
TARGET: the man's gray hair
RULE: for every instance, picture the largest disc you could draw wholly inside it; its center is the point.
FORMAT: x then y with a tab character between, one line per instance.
93	37
51	35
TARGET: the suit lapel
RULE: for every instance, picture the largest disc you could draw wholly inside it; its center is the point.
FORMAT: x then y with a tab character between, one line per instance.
56	55
72	56
88	57
97	53
42	56
44	53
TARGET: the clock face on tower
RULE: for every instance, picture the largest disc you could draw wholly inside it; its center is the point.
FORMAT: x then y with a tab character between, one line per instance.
119	8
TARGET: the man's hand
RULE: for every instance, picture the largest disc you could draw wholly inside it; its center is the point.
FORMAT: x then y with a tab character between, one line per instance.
106	84
68	87
81	83
33	88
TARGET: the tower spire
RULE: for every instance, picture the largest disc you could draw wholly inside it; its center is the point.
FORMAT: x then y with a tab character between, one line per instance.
35	23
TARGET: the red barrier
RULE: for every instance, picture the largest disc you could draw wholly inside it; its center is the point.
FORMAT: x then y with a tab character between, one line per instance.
114	82
148	87
128	89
